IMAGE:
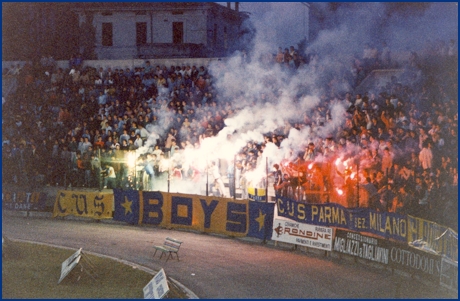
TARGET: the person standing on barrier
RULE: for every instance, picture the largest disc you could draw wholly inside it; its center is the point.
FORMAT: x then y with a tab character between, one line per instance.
119	165
149	173
218	179
426	203
65	163
86	157
95	171
231	178
80	170
278	180
110	177
163	169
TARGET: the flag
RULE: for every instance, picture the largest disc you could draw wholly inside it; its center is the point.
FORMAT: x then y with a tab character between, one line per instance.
257	194
126	206
260	220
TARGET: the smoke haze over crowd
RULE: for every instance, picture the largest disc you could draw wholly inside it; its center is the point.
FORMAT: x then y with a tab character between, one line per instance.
348	25
264	97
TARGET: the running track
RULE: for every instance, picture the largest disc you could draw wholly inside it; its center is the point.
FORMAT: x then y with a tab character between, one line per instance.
218	267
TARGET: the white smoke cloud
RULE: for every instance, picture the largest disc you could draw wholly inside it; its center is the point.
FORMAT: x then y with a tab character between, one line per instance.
265	97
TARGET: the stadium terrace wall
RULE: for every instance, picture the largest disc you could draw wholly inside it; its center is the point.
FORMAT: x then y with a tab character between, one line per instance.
410	244
397	56
117	64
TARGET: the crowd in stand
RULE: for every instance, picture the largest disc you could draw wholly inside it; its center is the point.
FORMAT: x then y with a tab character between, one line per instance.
75	127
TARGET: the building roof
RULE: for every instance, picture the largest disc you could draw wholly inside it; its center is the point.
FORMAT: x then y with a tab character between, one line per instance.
130	6
143	7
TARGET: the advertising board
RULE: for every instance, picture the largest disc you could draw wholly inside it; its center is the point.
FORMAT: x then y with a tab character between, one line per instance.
392	254
312	236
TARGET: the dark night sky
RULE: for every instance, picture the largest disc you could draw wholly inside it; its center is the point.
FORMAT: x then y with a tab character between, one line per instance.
282	23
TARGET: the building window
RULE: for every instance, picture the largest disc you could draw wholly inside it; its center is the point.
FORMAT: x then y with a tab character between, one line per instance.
107	34
141	33
178	32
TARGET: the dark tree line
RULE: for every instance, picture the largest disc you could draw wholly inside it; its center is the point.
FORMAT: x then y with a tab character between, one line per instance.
32	30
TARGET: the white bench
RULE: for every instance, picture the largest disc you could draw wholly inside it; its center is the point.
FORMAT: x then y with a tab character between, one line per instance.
170	246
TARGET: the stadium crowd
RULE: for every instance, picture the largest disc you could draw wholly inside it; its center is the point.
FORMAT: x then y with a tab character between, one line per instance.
77	126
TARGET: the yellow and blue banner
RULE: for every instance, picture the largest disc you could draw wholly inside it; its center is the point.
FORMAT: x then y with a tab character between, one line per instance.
384	224
193	212
126	204
83	204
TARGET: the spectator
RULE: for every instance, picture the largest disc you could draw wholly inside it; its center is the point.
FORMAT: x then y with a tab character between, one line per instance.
109	176
426	156
398	116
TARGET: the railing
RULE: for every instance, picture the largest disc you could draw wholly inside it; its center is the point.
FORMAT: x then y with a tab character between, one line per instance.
166	50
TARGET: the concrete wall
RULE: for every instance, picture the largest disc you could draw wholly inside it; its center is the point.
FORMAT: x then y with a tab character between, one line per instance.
124	34
159	30
194	26
399	57
117	64
154	62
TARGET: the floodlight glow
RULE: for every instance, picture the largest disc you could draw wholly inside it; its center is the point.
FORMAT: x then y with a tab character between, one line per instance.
131	159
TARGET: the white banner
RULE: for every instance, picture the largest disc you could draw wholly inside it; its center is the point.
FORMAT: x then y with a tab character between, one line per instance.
449	274
157	287
68	264
312	236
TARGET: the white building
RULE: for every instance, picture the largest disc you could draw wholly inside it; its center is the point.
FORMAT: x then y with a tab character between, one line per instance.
129	30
